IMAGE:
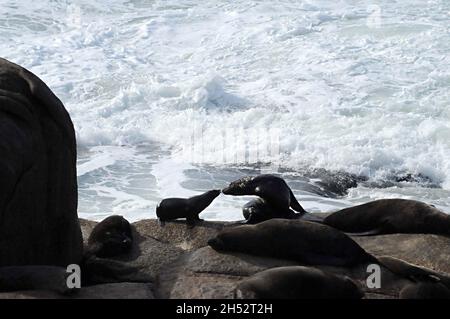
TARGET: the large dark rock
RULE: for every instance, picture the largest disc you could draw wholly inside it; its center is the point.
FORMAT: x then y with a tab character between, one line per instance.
38	183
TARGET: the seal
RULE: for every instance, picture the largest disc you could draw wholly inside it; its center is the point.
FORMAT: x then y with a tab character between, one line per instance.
297	282
189	208
111	237
36	277
303	241
413	272
258	210
388	216
276	198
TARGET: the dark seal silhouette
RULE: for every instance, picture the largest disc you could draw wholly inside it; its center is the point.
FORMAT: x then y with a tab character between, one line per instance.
297	282
276	198
388	216
111	237
306	242
189	208
38	182
16	278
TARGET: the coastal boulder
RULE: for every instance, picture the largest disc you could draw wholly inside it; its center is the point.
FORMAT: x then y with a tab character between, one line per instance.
38	183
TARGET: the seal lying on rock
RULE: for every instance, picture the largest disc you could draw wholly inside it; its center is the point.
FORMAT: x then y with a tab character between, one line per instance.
111	237
276	198
426	283
297	282
413	272
189	208
388	216
15	278
302	241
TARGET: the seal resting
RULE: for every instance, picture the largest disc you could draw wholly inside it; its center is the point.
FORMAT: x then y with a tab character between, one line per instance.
306	242
111	237
297	282
413	272
389	216
189	208
15	278
276	198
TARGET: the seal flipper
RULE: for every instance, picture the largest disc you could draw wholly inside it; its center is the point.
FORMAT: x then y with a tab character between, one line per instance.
382	229
295	205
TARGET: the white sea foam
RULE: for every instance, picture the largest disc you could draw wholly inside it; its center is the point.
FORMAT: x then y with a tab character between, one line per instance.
347	85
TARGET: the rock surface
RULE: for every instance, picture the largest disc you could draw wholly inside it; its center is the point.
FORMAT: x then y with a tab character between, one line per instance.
38	188
174	261
124	290
181	265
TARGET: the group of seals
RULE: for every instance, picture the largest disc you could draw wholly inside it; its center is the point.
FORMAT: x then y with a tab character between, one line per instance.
276	200
316	244
110	238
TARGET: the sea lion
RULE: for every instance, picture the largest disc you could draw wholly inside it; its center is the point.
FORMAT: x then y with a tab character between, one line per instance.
425	290
258	210
388	216
276	198
111	237
189	208
306	242
297	282
15	278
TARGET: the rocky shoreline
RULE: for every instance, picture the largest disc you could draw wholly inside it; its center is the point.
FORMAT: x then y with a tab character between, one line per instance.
175	261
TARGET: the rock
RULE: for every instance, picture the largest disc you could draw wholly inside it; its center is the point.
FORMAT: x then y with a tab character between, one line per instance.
178	234
430	251
206	273
180	264
38	183
124	290
86	228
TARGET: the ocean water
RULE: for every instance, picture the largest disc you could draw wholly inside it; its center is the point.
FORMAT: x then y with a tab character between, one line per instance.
172	98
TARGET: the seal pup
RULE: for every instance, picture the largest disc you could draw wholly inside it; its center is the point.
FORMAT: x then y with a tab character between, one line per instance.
388	216
258	210
297	282
306	242
276	198
111	237
189	208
